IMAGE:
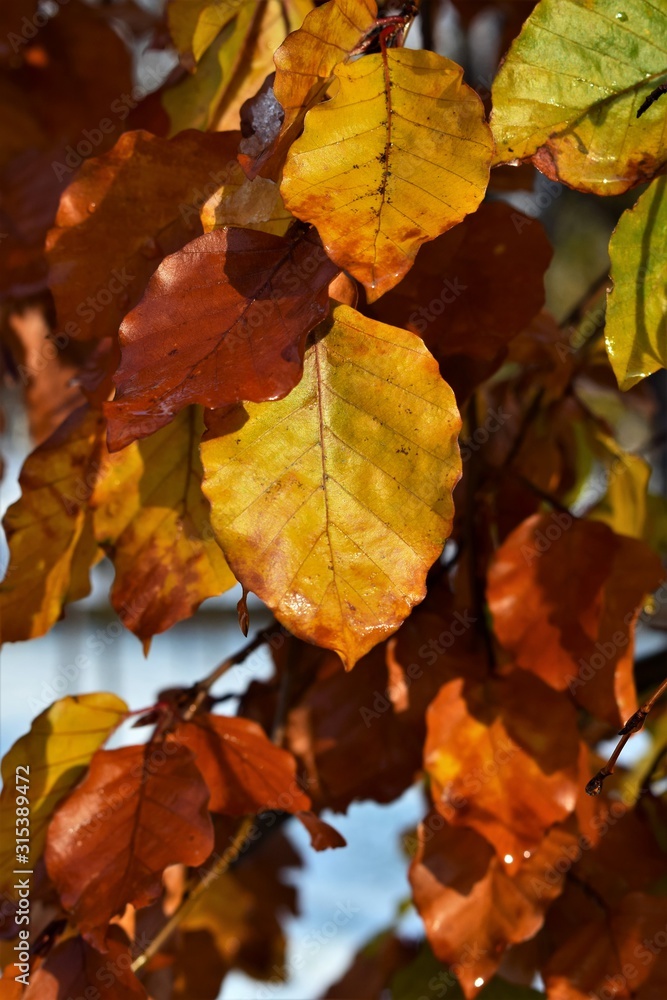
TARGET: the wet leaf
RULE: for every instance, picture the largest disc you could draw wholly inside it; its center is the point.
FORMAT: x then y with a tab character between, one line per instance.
56	751
332	504
565	594
49	529
139	809
224	319
472	907
370	161
569	90
493	768
636	306
153	521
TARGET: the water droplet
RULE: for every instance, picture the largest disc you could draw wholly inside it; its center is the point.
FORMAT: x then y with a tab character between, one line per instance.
508	859
621	16
92	205
526	854
479	981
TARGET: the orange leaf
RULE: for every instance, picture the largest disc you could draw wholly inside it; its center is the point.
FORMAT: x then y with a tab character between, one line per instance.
139	809
244	771
565	595
508	774
472	907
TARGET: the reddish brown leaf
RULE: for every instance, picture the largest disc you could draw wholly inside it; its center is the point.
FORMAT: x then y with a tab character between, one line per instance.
223	320
244	771
322	835
138	810
121	215
74	967
472	908
565	595
507	773
471	290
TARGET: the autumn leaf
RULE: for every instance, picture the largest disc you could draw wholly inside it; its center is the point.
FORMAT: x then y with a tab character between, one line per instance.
139	809
238	920
472	907
612	948
565	594
332	503
153	521
78	965
249	204
568	93
635	326
471	290
401	127
233	43
136	204
244	771
305	64
49	760
498	770
222	320
49	529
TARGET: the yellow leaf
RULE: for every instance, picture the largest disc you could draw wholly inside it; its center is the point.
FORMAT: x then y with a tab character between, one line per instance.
58	748
250	204
399	155
151	516
625	478
306	60
570	88
49	529
331	504
233	42
637	305
277	17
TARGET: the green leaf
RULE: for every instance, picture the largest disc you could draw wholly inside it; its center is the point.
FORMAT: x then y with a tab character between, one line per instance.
570	88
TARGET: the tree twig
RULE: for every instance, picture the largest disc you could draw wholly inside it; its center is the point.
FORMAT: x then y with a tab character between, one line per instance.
218	868
632	726
201	689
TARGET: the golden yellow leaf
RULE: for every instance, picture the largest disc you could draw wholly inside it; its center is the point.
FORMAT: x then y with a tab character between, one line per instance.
232	42
332	503
248	204
153	520
398	156
58	748
306	60
49	529
570	87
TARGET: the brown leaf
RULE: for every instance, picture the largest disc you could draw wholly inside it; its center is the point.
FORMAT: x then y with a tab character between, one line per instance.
471	290
472	908
323	836
74	965
223	320
507	773
139	809
121	215
243	769
565	595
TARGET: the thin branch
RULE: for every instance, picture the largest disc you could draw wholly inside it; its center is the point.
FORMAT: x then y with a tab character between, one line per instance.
632	726
201	689
218	868
542	494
